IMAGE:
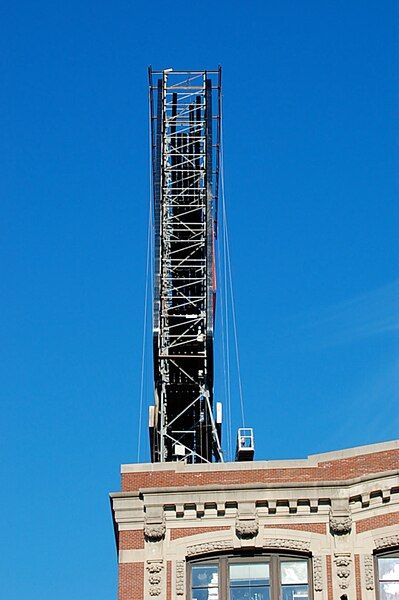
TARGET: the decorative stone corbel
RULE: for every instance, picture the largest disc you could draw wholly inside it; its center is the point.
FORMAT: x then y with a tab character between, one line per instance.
247	522
154	526
154	531
247	527
340	525
340	517
343	568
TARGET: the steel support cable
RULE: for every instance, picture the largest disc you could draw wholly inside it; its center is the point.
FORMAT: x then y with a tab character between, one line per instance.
143	347
225	331
223	336
227	335
148	275
233	311
228	269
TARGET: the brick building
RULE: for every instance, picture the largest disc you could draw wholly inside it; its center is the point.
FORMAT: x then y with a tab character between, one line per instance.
188	528
323	528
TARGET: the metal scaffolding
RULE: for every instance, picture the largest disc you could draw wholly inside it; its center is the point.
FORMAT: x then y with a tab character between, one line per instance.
185	133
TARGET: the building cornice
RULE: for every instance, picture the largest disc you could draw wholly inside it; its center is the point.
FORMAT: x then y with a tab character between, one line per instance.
308	485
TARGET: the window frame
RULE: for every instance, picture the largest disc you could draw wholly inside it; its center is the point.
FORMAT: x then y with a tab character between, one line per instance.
388	553
273	558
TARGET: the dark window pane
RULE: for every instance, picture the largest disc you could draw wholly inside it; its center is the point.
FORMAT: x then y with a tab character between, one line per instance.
204	576
389	590
294	592
249	593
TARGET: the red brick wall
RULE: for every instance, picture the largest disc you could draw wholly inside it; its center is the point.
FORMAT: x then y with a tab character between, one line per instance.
378	521
169	580
312	527
357	576
334	470
329	579
131	540
131	581
183	532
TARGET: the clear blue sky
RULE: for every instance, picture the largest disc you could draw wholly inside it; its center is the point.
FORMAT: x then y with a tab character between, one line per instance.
311	129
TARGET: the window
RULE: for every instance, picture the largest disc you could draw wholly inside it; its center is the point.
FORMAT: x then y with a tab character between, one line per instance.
268	577
294	579
249	580
388	576
205	582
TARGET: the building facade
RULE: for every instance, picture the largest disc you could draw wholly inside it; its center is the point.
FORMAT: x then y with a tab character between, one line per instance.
323	528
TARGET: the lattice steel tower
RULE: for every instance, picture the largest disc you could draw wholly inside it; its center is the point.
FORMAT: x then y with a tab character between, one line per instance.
185	132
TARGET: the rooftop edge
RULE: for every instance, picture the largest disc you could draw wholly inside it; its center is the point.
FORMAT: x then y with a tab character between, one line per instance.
311	461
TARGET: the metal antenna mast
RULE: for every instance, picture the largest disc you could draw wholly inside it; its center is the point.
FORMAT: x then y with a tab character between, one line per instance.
185	131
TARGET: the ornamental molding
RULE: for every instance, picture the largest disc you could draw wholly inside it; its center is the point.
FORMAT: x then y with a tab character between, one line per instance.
368	564
207	547
154	570
154	529
343	568
180	572
154	591
154	566
154	523
387	541
288	544
247	527
318	573
340	525
340	516
154	533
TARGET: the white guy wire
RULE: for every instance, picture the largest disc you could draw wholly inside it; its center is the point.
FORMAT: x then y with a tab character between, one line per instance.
233	310
144	333
148	272
221	269
228	268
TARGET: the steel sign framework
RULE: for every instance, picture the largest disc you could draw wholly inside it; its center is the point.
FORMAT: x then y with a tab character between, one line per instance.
185	134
